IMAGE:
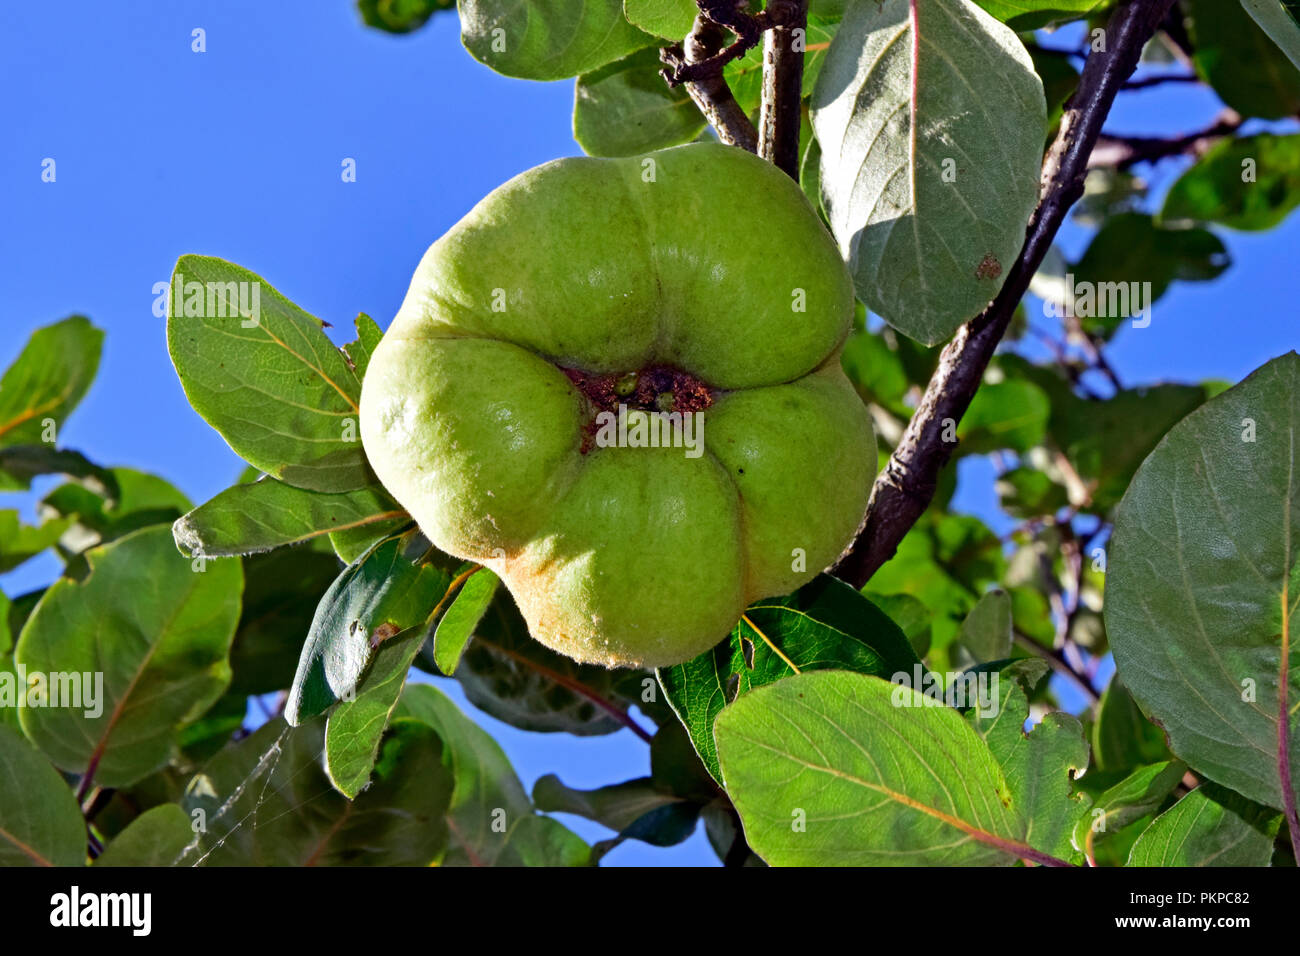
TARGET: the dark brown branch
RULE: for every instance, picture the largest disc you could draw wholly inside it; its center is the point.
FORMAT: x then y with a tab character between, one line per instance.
1124	152
711	93
1161	80
905	487
783	49
731	14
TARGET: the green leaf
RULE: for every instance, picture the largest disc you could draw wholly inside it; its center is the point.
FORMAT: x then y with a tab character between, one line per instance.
267	802
671	19
515	679
927	186
356	726
1238	59
826	624
1041	765
911	616
986	632
40	822
1210	826
358	352
262	373
1216	189
400	16
1030	493
156	629
457	625
48	380
21	542
1202	585
270	514
625	108
1032	14
547	39
1122	738
835	768
1140	793
486	788
132	500
1277	18
384	592
1004	415
281	593
157	837
635	809
1131	263
19	464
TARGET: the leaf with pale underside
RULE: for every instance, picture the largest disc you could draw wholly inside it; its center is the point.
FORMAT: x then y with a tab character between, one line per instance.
278	391
1202	586
875	775
158	631
931	121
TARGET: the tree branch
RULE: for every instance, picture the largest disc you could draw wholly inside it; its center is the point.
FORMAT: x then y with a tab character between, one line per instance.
783	49
905	487
710	91
1123	152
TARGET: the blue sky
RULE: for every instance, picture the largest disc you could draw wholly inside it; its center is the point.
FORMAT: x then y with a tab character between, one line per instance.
237	152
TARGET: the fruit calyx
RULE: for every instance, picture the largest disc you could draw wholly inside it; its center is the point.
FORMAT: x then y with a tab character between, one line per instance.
655	388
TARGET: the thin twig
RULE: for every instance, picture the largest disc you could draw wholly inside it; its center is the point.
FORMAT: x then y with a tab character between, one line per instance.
1124	152
905	487
1058	663
783	49
711	93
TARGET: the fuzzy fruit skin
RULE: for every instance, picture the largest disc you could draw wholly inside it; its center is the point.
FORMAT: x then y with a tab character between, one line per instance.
627	556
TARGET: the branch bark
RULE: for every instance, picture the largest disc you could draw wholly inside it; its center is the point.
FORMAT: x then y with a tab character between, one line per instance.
1124	152
710	92
783	50
905	487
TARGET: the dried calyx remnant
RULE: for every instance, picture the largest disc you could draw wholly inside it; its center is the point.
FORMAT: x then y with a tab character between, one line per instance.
655	388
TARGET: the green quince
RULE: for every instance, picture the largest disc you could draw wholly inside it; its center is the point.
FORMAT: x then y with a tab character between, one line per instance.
617	384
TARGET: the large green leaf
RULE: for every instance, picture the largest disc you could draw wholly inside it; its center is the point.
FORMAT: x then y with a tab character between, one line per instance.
986	632
1216	189
261	515
156	628
48	379
1277	18
491	818
515	679
387	590
1210	826
846	769
1040	765
278	391
157	837
931	122
547	39
1238	59
625	108
1009	415
1202	587
40	822
824	625
266	801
